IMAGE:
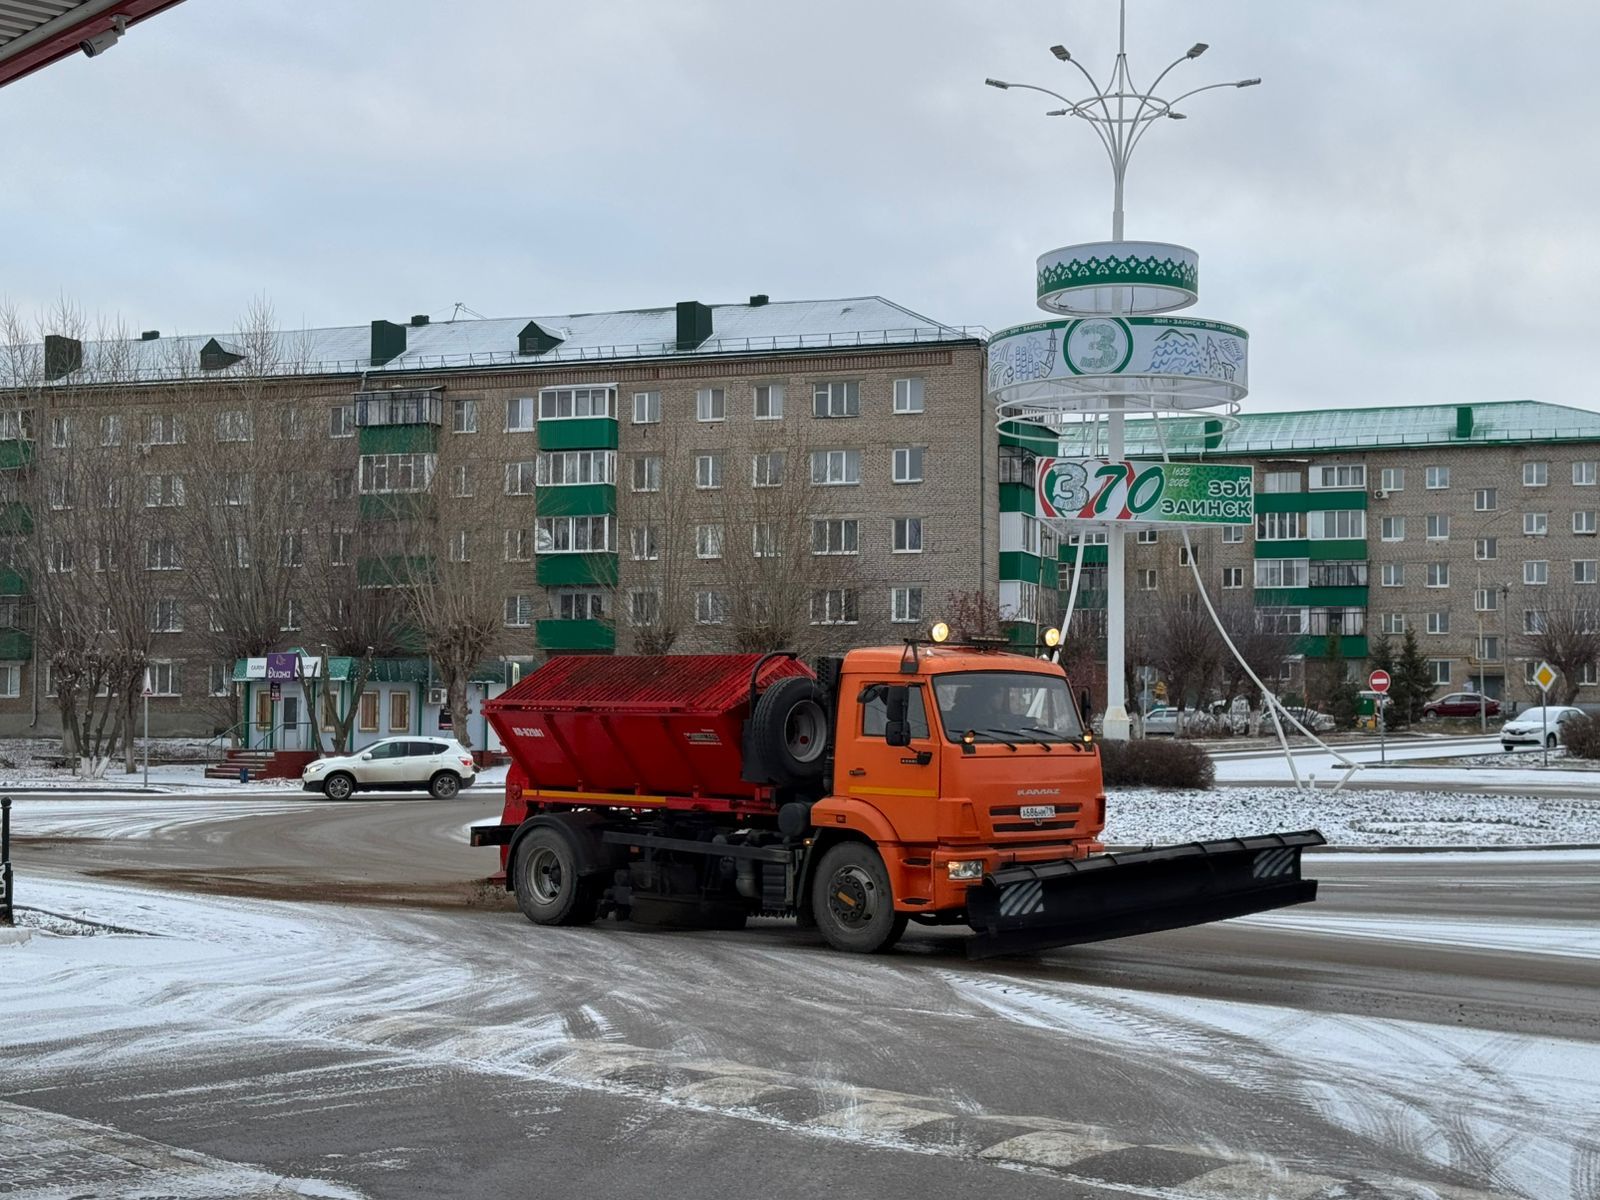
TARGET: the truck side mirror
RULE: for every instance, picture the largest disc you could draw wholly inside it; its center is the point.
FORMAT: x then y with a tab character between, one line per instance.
896	729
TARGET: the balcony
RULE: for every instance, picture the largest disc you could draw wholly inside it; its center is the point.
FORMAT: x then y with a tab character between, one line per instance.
411	406
577	636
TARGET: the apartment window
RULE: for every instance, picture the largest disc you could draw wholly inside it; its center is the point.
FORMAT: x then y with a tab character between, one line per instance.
60	558
460	547
905	603
342	421
164	429
1337	523
708	541
367	712
519	611
342	484
1146	537
1147	580
16	424
111	429
1535	572
461	480
1485	600
1441	671
163	678
908	395
1392	479
1277	527
1535	524
1535	474
339	547
167	616
1486	549
1583	570
464	416
219	680
233	490
162	554
764	540
647	408
1393	574
644	606
522	477
60	494
835	606
1533	620
1436	478
60	431
647	473
833	467
1584	474
1282	572
1281	481
1281	620
1589	674
519	545
835	535
769	402
708	471
384	474
1184	558
1438	574
908	464
578	604
1232	535
520	414
240	556
1438	527
566	468
1485	500
561	404
711	404
1392	529
710	608
766	470
1583	522
1394	622
1439	621
908	535
1344	475
291	424
233	425
645	542
841	398
572	535
1233	577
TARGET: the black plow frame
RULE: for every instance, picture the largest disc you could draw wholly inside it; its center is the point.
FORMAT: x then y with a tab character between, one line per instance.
1024	908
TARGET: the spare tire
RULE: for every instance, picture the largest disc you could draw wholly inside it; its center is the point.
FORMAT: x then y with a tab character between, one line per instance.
789	731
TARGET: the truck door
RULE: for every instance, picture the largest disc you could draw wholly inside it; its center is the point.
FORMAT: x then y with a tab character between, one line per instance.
902	782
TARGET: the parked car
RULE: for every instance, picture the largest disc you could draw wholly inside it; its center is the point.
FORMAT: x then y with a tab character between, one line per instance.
1532	724
1460	704
1161	721
440	765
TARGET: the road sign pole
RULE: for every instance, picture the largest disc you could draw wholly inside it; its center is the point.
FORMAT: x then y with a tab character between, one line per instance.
7	916
1378	684
1544	726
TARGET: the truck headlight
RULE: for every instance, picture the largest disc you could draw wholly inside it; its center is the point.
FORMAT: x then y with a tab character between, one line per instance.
965	868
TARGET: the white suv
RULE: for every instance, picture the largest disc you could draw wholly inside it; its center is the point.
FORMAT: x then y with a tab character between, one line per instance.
441	766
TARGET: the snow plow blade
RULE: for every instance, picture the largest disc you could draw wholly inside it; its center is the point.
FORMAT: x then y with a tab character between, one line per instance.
1025	908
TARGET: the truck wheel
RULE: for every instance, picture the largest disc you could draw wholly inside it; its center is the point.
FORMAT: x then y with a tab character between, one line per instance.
444	785
852	900
790	730
338	786
548	886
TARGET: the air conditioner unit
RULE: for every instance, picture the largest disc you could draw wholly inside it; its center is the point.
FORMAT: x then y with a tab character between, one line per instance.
1381	494
438	695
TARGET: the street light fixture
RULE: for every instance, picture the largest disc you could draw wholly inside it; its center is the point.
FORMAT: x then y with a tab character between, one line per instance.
1061	53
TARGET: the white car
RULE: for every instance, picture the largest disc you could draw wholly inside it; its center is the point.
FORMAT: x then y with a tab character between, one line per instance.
1531	725
439	765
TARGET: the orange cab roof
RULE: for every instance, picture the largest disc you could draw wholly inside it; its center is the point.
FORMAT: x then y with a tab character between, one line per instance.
943	658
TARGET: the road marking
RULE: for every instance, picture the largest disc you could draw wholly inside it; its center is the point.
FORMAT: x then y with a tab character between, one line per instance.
878	1116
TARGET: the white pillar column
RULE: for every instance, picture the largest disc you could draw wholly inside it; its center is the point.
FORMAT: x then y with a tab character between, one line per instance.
1115	723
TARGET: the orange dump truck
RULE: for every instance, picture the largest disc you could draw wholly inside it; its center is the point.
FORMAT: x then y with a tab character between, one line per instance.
942	784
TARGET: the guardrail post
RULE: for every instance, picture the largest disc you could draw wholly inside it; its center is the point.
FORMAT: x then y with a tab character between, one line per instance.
6	916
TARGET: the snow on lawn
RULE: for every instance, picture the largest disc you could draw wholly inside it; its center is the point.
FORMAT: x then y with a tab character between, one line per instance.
1137	816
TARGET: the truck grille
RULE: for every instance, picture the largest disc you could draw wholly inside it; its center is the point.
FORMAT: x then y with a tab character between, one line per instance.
1065	818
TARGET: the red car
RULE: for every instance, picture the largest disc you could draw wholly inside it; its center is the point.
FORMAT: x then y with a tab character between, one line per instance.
1461	704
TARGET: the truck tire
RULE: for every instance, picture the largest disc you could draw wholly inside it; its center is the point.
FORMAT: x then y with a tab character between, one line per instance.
789	730
852	901
549	889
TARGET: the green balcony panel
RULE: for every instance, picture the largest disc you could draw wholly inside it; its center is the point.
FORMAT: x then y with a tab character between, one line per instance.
1309	501
1029	568
16	519
579	433
1289	548
1040	439
392	570
1314	645
1093	556
398	439
577	635
16	645
1016	497
1315	597
577	570
1088	598
1351	549
576	500
15	453
396	506
12	582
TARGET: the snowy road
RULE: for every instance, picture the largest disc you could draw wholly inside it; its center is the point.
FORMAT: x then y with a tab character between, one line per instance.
1428	1029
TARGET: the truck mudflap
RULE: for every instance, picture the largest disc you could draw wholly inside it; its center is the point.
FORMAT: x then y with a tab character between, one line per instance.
1023	908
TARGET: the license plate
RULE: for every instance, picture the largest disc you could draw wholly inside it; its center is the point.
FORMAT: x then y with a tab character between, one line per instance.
1038	812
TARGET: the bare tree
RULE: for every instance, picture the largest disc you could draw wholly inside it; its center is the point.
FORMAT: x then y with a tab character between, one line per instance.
656	540
1262	647
1188	653
974	614
1567	636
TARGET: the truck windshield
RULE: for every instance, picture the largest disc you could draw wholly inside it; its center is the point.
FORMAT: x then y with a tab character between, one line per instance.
1001	705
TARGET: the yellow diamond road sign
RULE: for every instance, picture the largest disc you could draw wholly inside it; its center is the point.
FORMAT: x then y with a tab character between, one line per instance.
1544	676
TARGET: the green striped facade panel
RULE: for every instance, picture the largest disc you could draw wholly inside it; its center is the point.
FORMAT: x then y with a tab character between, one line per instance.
1303	502
577	570
1316	549
16	518
1016	497
1040	439
1350	646
576	635
1315	597
578	433
395	506
1093	556
392	570
1088	598
15	453
1029	568
398	439
12	582
576	500
16	645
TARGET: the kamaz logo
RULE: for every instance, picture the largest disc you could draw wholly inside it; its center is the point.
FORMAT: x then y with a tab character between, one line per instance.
529	733
1038	791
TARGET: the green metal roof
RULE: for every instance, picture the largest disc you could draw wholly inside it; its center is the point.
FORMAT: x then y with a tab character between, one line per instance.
1502	422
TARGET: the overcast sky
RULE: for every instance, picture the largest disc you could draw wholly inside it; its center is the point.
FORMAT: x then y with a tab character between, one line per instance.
1404	212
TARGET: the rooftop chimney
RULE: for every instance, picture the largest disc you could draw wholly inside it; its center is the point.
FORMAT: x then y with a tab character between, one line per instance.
1464	421
388	341
694	324
150	335
759	299
62	355
419	319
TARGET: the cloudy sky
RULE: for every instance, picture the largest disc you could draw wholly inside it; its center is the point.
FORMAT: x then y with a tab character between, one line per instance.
1404	212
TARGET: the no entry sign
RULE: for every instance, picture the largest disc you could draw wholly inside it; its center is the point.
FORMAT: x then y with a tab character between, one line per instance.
1378	681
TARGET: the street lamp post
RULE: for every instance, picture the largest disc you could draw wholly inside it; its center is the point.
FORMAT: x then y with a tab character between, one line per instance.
1120	113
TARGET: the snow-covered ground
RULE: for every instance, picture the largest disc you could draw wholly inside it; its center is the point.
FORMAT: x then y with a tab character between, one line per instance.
175	777
1422	767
